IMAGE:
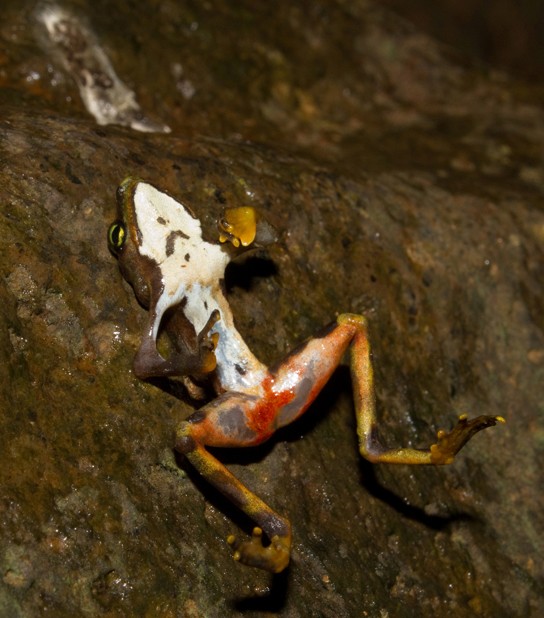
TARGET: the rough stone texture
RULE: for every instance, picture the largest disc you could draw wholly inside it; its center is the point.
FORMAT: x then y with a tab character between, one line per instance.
405	187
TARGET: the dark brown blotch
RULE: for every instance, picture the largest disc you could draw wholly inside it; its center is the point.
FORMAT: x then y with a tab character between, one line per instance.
171	241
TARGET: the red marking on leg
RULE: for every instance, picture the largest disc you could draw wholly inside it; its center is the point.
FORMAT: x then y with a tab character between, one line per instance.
247	419
261	418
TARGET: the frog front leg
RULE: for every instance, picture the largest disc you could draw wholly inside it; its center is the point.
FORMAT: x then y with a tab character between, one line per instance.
247	419
191	353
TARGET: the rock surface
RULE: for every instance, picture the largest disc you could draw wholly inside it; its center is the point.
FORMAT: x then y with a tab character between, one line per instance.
405	187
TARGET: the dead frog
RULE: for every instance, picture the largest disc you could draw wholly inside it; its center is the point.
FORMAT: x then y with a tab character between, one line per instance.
178	276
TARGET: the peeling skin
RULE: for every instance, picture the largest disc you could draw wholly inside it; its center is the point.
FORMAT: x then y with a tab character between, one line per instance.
256	400
104	95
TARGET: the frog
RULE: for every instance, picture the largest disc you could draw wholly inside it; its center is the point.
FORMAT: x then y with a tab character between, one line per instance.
178	275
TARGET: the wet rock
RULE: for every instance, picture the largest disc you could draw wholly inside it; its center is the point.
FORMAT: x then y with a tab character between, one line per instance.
404	187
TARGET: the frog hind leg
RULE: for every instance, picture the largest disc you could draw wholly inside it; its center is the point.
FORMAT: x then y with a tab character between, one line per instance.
237	420
448	444
203	428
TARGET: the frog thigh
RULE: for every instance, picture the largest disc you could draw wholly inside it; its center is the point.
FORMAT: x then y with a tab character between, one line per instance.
226	422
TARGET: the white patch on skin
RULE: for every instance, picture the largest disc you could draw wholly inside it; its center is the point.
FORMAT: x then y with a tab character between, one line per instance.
192	268
158	216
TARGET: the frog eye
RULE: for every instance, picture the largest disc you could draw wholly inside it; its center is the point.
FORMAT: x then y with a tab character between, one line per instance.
117	234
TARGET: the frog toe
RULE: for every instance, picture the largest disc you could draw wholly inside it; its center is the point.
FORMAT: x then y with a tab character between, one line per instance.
273	557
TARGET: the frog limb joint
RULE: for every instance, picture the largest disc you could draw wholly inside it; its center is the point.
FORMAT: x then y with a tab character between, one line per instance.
178	276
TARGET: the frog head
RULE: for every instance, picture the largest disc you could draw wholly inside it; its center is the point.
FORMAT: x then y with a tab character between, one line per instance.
145	241
161	252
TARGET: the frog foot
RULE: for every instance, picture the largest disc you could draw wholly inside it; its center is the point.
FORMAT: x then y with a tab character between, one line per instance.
238	226
450	443
273	558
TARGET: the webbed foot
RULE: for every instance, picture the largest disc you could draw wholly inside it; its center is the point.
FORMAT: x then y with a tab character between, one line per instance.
273	558
450	443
